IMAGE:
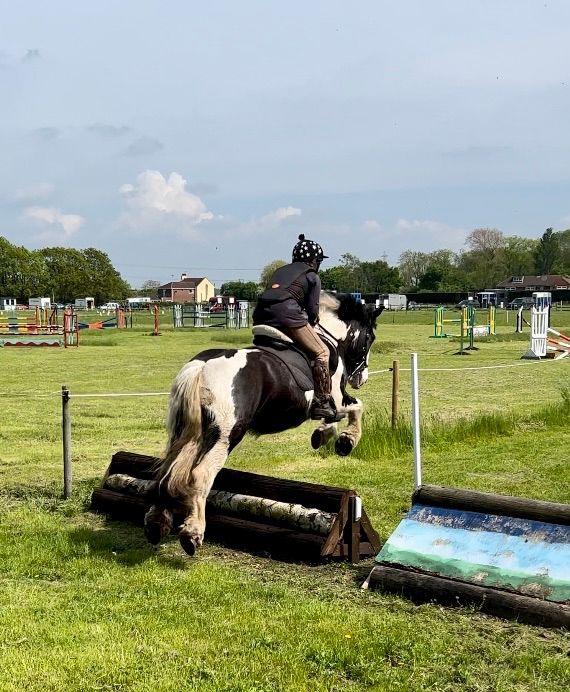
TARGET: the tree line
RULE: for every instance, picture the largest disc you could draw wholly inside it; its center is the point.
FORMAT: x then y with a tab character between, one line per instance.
62	274
488	258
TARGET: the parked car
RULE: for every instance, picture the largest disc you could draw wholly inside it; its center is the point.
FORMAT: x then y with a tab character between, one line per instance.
517	303
412	305
465	303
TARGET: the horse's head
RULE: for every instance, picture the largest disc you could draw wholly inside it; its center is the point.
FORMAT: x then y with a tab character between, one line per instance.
354	330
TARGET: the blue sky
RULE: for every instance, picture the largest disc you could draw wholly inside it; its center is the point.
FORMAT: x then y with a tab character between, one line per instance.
203	137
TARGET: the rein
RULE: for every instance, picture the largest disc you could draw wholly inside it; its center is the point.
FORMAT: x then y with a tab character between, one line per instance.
334	342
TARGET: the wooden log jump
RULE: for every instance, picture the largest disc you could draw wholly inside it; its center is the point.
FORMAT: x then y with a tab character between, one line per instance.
287	519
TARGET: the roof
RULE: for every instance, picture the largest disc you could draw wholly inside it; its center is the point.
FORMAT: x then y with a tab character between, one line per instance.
188	282
550	280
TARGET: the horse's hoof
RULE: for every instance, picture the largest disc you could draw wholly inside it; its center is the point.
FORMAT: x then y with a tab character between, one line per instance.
316	439
343	445
155	532
157	525
189	543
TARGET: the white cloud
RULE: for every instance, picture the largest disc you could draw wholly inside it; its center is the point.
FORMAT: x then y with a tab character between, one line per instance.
371	225
428	233
265	223
61	224
159	203
35	191
274	218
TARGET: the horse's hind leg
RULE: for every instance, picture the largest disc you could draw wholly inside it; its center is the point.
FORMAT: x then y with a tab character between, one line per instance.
350	436
203	475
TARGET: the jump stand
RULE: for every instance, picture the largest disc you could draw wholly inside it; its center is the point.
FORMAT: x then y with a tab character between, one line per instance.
508	556
291	520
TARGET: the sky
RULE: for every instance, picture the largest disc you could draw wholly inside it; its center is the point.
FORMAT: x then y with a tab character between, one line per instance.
204	137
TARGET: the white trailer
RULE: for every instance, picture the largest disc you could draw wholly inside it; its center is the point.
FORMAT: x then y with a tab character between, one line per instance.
394	301
84	304
44	303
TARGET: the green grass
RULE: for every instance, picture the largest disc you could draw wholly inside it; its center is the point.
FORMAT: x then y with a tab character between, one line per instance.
86	604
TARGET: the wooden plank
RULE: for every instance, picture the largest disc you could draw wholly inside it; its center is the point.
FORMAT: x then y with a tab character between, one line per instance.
489	503
424	588
334	544
369	533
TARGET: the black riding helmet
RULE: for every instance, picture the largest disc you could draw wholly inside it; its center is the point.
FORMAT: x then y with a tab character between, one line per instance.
307	250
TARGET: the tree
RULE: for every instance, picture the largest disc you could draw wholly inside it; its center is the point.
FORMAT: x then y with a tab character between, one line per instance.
488	241
412	265
517	256
241	290
149	288
105	282
442	273
547	252
336	279
268	270
564	240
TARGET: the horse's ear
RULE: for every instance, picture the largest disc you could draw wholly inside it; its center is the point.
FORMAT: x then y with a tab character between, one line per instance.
376	312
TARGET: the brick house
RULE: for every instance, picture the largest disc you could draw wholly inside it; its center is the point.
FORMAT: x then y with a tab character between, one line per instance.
551	282
186	290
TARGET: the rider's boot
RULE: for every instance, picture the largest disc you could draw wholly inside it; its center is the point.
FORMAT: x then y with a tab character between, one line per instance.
323	406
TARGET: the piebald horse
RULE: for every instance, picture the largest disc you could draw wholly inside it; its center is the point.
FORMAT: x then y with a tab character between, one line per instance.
223	393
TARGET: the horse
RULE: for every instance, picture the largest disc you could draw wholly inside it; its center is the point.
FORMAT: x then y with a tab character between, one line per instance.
221	394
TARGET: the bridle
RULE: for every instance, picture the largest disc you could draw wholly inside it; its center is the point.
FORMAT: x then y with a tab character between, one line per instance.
334	342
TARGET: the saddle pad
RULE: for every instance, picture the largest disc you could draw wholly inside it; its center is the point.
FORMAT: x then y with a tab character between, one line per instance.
294	360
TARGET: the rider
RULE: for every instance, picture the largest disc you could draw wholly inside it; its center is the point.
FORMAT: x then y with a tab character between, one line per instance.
290	303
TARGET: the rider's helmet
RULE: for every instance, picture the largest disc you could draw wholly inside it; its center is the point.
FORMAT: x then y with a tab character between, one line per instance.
307	251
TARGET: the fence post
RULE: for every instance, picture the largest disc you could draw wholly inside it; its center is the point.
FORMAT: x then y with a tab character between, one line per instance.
66	425
395	392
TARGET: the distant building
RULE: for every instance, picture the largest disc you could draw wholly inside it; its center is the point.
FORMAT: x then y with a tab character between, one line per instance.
186	290
550	282
8	304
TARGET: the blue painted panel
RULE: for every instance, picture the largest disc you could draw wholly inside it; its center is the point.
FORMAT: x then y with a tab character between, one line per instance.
530	557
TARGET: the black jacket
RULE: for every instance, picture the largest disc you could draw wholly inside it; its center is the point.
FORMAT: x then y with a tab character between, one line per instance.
291	298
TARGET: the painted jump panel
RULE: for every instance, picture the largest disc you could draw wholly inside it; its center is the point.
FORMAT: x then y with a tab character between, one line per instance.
465	547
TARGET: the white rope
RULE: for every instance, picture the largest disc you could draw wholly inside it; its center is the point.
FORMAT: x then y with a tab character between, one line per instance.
480	367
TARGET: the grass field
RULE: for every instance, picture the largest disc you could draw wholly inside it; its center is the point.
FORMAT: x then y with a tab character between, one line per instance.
86	604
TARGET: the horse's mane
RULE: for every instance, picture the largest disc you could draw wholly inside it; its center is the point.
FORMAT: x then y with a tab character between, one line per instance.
345	308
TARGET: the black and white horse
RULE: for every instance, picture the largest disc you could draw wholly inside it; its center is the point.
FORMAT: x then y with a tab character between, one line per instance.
223	393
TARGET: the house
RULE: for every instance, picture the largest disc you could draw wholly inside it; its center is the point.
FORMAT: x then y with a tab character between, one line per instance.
551	282
186	290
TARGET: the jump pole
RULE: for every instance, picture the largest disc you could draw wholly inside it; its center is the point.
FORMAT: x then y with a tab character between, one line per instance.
416	423
395	392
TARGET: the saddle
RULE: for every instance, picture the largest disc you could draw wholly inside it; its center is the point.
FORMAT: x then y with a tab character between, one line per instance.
280	346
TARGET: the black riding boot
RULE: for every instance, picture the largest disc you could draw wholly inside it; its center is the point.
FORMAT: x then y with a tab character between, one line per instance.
323	406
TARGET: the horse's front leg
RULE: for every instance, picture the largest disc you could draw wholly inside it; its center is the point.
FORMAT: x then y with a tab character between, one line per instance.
203	474
322	434
350	436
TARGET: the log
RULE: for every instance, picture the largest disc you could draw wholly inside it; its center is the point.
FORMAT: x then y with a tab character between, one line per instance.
294	515
424	588
489	503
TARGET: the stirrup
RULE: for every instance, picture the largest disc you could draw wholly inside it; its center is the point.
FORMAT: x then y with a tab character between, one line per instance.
327	413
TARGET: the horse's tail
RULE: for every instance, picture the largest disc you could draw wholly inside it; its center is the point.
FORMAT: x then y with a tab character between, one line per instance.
185	434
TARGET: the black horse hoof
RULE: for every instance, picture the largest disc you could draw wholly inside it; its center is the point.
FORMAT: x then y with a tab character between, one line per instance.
316	439
343	446
155	532
188	543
